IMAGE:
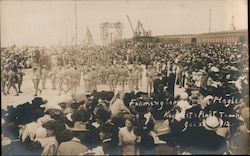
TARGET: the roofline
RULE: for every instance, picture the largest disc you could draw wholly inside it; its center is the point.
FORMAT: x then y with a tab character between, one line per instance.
215	32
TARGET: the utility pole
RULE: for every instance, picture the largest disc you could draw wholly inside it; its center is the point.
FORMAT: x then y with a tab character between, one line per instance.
76	22
209	20
232	25
66	41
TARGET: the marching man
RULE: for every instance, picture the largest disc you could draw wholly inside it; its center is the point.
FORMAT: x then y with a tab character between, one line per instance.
36	79
44	76
61	81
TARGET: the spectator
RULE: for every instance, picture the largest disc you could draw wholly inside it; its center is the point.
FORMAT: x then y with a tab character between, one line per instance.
74	146
110	146
49	143
127	138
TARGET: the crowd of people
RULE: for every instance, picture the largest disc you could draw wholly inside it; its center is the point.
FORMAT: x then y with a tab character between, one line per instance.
210	115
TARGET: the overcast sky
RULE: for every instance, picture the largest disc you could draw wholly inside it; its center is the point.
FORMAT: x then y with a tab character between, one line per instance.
46	22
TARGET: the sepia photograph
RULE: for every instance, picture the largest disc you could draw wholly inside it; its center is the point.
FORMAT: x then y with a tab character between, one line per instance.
124	77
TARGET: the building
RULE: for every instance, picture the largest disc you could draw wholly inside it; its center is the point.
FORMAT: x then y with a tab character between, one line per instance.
223	37
213	37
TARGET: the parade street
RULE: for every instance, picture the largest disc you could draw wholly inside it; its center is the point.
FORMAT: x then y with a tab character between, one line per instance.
52	95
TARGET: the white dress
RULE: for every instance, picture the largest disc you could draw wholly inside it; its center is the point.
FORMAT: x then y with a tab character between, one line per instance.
128	141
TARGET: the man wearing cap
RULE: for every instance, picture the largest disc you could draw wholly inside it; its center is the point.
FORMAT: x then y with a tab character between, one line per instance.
4	79
179	74
116	74
171	82
150	78
12	81
157	82
53	76
74	80
44	76
102	114
20	75
60	79
111	78
136	75
74	146
36	79
130	80
140	69
102	75
67	76
204	79
94	79
87	79
123	73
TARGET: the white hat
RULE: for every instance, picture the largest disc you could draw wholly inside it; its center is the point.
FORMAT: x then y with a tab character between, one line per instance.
214	69
228	76
212	123
44	119
208	97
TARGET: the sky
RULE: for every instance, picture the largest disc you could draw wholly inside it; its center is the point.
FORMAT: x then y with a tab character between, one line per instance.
43	22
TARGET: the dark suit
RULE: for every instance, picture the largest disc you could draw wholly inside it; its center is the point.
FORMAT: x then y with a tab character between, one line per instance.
171	83
110	148
156	84
165	80
22	148
204	141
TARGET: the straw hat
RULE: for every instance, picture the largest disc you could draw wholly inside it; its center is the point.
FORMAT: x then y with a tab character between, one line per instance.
214	69
212	123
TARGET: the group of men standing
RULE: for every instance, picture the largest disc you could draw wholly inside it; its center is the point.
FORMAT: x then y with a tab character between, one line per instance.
68	78
122	74
11	77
